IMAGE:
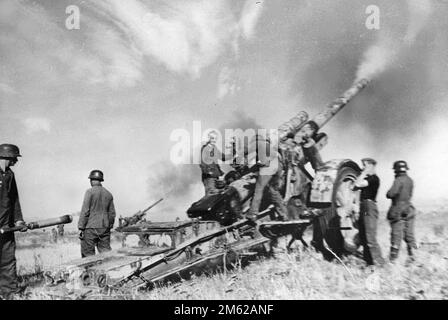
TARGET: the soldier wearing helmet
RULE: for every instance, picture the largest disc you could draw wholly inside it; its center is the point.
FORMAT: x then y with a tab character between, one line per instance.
401	214
97	217
10	215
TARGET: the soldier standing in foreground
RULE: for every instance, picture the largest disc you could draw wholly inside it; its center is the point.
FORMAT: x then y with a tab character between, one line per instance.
369	183
10	215
97	217
401	214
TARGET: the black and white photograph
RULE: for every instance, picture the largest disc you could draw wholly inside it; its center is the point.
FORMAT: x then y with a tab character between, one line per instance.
240	152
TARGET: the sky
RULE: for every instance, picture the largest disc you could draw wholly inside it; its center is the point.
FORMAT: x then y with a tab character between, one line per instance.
109	95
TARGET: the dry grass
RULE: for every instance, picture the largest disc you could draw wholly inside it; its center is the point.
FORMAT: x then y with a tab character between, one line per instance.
299	275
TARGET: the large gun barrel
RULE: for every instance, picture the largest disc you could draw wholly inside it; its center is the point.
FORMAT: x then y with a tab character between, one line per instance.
40	224
153	205
334	107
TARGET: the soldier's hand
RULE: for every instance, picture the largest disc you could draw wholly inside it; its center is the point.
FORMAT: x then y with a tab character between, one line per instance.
22	224
81	235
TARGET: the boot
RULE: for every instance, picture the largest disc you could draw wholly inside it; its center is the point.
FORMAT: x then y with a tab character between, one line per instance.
411	256
393	254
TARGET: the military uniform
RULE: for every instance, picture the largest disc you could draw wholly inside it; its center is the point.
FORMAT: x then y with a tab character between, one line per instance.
210	168
96	220
295	156
270	177
368	221
401	214
10	212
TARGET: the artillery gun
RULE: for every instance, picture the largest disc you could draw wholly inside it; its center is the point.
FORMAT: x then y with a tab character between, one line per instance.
328	200
136	217
217	235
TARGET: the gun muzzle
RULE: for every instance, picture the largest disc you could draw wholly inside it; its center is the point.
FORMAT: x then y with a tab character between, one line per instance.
337	105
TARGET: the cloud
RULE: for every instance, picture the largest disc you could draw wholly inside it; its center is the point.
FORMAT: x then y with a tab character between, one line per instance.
226	83
95	54
419	13
184	36
35	125
117	38
249	17
110	59
7	88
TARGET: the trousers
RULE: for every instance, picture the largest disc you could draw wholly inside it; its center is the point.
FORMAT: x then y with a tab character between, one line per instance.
403	229
367	231
8	269
273	184
98	238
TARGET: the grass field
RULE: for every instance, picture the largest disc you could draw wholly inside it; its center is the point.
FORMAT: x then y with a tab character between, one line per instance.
303	274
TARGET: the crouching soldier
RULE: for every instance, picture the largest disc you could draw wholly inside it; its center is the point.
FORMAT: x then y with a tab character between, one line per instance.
401	214
97	217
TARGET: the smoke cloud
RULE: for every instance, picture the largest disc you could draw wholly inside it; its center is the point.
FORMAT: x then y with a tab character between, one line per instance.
383	54
419	13
377	59
402	112
180	184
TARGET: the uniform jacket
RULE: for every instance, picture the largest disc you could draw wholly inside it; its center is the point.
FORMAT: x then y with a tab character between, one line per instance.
210	154
401	193
300	154
98	209
10	211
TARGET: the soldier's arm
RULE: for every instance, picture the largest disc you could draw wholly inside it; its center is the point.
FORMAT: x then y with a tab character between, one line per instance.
112	214
361	181
312	154
85	211
18	217
394	190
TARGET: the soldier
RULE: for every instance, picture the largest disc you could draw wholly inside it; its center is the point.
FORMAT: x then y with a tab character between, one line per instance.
10	215
270	176
306	139
401	214
97	217
211	171
54	235
60	230
369	183
299	150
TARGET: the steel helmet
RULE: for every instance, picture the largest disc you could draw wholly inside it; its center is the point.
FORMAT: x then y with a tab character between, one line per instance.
400	166
96	175
9	151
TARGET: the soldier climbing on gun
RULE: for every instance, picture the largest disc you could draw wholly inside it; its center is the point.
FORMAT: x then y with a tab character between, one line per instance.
270	175
298	150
